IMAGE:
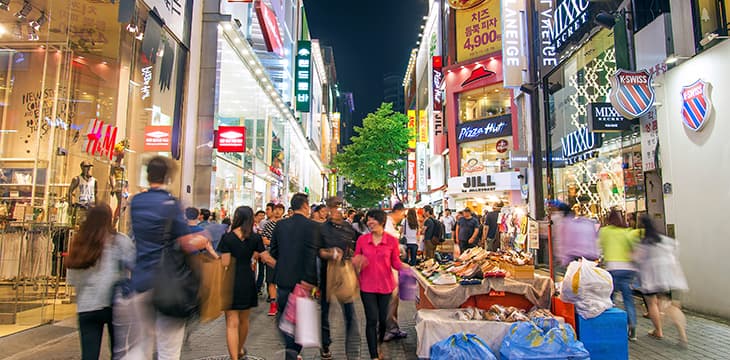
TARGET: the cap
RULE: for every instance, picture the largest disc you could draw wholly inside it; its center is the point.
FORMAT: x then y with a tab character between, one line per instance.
86	163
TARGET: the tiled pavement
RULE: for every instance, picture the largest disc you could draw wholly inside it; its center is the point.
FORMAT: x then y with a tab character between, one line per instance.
707	340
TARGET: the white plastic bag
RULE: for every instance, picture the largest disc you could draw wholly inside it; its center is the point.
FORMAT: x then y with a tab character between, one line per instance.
307	329
588	287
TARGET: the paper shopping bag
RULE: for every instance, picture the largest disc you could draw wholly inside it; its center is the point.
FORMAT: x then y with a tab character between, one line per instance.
307	330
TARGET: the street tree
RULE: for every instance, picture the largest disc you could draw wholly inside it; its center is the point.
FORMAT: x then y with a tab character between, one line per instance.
375	159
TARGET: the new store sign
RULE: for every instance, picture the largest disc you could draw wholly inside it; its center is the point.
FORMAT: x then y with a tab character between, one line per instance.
632	93
504	181
269	27
605	118
230	139
303	75
580	145
696	105
484	129
157	138
568	18
514	61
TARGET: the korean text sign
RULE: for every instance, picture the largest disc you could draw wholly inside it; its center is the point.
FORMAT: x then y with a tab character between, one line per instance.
478	31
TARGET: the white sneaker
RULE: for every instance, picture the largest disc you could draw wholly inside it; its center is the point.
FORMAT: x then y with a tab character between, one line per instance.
445	279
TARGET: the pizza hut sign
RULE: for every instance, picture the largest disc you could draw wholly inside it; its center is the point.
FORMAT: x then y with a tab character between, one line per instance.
230	139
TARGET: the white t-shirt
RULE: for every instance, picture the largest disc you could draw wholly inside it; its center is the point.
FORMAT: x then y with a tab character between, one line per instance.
410	234
390	228
448	222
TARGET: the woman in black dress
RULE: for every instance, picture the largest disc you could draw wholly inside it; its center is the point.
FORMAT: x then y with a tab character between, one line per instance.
242	244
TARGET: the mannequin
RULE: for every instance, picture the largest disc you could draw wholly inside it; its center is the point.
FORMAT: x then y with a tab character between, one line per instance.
118	179
86	197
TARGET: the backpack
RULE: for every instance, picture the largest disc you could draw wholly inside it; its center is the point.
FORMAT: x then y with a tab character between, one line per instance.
439	231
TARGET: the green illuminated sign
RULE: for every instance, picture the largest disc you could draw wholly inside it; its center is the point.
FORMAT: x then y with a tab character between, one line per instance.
302	75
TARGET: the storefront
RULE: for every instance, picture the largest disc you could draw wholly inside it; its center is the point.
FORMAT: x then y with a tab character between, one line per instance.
86	99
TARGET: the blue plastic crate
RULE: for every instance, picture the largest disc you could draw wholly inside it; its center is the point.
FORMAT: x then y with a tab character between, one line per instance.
606	337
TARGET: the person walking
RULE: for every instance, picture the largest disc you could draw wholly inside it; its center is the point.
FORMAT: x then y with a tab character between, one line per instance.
467	230
358	223
337	242
618	243
191	215
242	244
294	246
449	224
153	213
430	231
491	229
393	221
409	231
661	277
376	256
94	258
205	218
267	232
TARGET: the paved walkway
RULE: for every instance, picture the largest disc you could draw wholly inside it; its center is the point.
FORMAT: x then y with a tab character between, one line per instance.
707	340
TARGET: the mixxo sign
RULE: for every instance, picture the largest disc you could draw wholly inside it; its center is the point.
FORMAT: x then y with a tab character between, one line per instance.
580	145
568	18
302	76
605	118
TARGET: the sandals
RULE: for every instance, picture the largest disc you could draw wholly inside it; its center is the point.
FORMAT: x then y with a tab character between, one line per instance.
653	334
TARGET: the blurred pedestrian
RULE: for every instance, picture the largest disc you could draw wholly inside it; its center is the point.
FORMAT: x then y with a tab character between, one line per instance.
242	244
337	242
294	246
576	237
351	216
449	224
430	233
392	224
661	277
409	231
319	213
358	223
267	232
376	256
618	243
191	215
93	263
156	216
258	218
491	230
205	216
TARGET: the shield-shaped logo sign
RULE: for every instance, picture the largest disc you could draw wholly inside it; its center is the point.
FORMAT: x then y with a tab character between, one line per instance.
632	93
696	105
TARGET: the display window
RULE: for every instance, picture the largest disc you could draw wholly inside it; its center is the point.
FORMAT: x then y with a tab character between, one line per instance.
488	156
484	103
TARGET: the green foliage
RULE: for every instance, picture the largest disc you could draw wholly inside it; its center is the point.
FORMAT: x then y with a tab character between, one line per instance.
364	198
376	154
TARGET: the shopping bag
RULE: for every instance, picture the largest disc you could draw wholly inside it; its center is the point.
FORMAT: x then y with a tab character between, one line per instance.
407	285
526	341
307	329
288	319
588	287
216	284
342	284
461	347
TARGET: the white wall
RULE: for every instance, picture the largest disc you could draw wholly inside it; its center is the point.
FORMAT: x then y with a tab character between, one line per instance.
697	164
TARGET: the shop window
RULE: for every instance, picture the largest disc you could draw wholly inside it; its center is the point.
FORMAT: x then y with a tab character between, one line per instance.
711	17
645	11
483	103
488	156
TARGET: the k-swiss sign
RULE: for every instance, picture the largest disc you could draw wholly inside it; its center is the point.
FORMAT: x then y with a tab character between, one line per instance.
632	93
696	105
231	139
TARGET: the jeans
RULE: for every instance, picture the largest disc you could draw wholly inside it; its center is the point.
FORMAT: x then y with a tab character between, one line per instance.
376	314
91	329
411	253
260	276
622	280
348	311
154	330
292	348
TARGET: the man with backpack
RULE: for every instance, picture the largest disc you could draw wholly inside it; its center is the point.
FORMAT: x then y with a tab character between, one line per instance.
433	233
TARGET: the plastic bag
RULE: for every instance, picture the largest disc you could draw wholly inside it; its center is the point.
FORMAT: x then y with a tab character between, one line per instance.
461	346
288	319
407	285
307	330
525	340
588	287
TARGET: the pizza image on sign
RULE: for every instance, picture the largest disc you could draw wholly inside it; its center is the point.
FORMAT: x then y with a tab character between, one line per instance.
464	4
696	105
632	94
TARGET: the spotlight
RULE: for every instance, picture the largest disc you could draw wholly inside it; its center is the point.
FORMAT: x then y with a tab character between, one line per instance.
22	13
132	28
5	5
33	36
710	37
528	88
605	20
139	36
36	24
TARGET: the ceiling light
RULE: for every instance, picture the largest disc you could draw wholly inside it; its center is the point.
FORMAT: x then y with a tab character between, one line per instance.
425	17
258	71
3	31
33	36
132	28
36	24
228	27
674	58
5	5
139	36
23	12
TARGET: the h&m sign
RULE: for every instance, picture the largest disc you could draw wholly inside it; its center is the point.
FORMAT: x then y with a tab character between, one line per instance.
580	145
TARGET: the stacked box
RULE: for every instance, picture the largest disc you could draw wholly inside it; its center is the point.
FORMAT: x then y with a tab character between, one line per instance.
518	271
606	336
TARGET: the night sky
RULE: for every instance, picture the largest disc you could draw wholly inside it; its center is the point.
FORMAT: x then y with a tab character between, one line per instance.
370	38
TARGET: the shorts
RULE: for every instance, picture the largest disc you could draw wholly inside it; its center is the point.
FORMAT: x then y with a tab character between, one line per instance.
269	274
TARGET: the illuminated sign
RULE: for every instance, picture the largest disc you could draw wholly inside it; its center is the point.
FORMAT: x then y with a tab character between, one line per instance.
503	181
302	76
157	138
548	55
146	79
580	145
412	129
411	172
464	4
496	127
100	139
632	93
605	118
270	28
478	31
230	139
336	128
422	127
422	167
696	105
568	18
438	79
514	60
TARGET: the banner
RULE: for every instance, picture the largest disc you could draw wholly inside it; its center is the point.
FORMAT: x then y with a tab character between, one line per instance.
421	167
302	76
514	54
478	31
422	126
412	129
411	172
157	138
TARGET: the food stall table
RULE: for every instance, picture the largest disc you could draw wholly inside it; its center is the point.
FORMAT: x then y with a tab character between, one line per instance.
433	326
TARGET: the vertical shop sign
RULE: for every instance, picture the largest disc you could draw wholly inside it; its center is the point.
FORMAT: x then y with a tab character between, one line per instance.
332	191
336	128
302	78
548	55
649	140
412	129
411	172
514	61
157	138
100	139
422	126
173	13
568	19
230	139
422	167
478	31
439	135
269	27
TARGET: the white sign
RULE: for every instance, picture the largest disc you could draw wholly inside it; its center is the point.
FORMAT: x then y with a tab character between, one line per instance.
172	13
514	61
649	140
480	183
548	54
568	18
421	167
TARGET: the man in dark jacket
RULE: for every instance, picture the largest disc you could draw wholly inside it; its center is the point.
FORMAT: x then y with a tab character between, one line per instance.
294	246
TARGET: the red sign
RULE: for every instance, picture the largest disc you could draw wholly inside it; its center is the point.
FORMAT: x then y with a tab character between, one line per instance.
502	146
270	28
157	138
100	139
230	139
411	172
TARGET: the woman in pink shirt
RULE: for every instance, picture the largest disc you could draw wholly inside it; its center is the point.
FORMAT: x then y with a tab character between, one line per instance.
376	254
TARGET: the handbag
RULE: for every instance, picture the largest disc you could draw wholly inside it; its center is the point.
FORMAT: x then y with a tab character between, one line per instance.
216	283
176	285
307	330
342	281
